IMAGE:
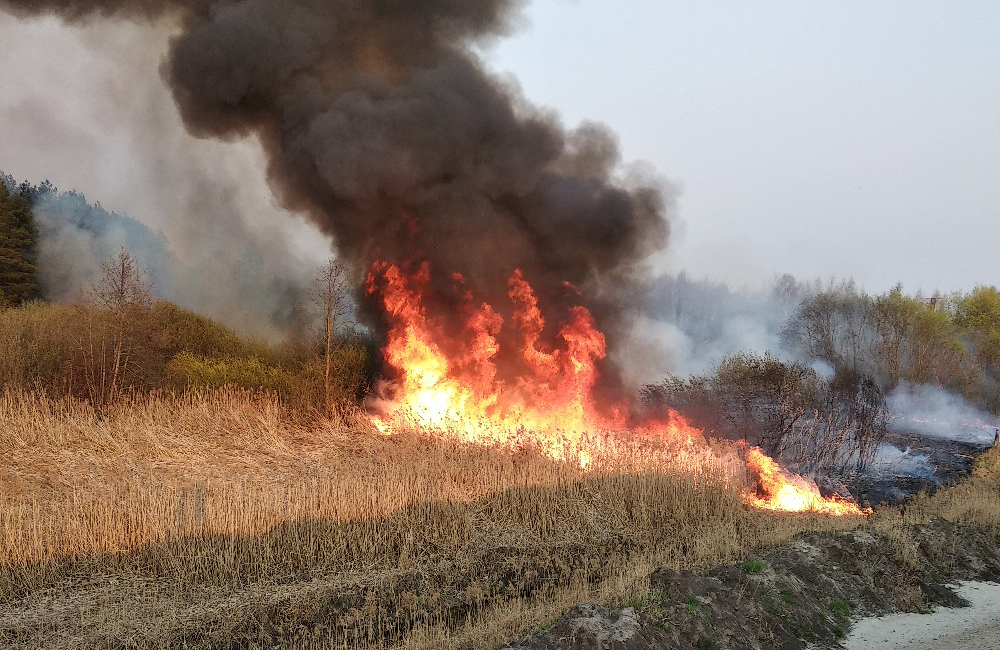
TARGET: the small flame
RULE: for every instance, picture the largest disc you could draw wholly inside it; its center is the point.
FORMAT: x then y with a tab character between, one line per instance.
783	490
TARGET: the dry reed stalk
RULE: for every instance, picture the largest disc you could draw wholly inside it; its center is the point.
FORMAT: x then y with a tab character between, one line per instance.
216	516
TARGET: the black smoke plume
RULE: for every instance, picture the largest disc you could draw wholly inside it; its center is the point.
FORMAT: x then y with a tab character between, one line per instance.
381	123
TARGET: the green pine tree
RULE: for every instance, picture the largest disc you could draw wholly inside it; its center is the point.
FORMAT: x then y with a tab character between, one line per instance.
18	236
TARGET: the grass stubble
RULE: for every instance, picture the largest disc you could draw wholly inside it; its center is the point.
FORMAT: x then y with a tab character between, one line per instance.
223	519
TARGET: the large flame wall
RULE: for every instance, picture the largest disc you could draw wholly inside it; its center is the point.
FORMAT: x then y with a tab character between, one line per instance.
549	403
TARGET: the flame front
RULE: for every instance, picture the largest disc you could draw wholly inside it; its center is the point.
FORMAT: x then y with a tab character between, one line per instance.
548	403
783	490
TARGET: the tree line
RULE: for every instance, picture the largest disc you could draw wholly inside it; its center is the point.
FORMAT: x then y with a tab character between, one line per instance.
868	344
116	337
823	402
18	244
952	341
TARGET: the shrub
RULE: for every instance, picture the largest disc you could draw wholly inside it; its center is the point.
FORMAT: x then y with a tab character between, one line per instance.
77	350
784	408
188	370
98	354
181	330
840	607
706	643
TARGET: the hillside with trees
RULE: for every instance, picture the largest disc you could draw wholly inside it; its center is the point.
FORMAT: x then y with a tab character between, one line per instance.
83	316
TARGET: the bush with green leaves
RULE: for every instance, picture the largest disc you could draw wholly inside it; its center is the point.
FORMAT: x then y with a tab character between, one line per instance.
189	370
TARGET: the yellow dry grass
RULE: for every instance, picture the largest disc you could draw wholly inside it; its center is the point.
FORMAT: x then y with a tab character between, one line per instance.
222	519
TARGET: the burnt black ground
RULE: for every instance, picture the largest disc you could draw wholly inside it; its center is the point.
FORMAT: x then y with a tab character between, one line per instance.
952	461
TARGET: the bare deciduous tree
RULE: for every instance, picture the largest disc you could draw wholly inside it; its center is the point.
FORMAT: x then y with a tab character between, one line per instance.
107	344
122	284
330	293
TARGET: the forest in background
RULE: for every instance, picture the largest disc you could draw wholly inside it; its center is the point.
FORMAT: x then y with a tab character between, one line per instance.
87	319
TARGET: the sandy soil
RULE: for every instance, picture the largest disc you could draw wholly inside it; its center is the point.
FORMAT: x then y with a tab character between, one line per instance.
976	627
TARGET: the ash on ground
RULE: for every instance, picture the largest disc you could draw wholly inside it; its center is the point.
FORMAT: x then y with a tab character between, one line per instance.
909	462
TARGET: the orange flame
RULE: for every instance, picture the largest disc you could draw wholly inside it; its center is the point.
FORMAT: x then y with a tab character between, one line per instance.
463	395
783	490
548	403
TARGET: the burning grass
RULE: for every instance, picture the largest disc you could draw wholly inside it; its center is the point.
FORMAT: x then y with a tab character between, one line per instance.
222	518
485	383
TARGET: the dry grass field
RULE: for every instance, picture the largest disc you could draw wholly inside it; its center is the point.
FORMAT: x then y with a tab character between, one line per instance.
224	520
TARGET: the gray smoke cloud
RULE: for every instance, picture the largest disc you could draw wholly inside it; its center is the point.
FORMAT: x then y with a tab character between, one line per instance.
890	461
934	411
686	326
380	123
75	239
251	286
91	113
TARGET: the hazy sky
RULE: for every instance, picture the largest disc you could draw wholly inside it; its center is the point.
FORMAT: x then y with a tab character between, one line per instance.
846	138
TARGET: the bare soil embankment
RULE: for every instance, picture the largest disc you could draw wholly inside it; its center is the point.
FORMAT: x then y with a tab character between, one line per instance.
976	627
802	594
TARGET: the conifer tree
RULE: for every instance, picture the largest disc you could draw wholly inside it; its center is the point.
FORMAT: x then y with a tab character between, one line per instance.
18	237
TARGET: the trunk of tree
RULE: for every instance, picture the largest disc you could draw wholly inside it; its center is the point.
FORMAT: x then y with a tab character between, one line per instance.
329	346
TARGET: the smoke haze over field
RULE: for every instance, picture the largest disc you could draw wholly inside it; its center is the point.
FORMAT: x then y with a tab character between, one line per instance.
91	113
934	411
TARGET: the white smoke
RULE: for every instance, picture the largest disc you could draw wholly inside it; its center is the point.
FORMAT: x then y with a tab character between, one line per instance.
890	460
688	326
934	411
92	113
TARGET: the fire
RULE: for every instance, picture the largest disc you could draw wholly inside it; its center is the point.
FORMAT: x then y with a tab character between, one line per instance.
450	381
549	403
791	492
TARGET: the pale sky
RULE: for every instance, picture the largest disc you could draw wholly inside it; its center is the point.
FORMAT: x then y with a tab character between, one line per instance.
848	138
843	138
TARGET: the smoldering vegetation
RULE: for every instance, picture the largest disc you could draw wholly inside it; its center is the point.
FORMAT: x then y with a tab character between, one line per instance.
891	460
935	411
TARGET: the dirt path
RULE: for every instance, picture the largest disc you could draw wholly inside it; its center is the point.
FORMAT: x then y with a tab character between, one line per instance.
976	627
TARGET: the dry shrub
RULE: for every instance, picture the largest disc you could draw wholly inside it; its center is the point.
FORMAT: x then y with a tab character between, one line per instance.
785	408
904	547
102	354
908	598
